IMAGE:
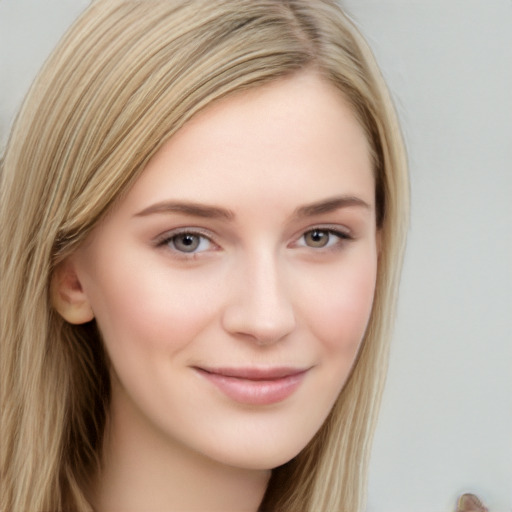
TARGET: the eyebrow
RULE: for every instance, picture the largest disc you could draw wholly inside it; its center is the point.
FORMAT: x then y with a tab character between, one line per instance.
188	208
330	205
216	212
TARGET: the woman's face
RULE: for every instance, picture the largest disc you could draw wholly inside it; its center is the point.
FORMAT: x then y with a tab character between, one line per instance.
233	283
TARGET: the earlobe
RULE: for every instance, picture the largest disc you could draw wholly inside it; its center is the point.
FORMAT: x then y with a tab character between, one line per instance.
67	295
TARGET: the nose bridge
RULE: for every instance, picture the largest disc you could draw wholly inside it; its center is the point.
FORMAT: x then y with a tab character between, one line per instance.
260	306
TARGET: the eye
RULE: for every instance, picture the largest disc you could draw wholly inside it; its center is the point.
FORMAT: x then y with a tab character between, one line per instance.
317	238
188	242
320	238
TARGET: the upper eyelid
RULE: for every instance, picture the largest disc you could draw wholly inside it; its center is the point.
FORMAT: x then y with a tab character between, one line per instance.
213	237
344	235
333	228
167	235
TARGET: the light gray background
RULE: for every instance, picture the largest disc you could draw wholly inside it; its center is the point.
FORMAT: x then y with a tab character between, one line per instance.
446	423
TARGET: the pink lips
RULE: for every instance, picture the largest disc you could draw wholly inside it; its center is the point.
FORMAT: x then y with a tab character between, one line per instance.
255	386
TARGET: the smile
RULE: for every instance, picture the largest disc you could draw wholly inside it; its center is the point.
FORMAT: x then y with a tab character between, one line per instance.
255	386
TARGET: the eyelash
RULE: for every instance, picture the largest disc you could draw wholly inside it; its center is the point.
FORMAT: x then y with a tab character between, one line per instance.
342	237
168	240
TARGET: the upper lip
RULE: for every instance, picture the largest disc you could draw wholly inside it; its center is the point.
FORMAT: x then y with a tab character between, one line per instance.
254	373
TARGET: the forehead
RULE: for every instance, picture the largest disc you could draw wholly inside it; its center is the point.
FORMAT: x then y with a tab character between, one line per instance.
297	134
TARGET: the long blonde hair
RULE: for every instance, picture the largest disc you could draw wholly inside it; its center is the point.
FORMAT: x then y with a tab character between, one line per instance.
125	78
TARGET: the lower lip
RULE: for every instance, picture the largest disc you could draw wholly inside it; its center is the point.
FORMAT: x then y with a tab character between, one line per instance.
255	392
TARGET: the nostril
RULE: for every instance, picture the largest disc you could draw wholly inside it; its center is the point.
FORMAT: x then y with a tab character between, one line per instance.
262	322
262	330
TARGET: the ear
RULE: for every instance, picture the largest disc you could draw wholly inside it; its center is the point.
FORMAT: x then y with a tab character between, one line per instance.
68	296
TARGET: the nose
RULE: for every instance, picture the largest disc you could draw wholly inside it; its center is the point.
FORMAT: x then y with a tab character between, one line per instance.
259	308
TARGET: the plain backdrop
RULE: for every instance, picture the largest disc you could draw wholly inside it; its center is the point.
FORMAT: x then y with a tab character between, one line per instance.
446	422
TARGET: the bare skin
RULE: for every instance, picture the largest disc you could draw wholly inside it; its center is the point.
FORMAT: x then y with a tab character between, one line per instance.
154	476
470	503
232	286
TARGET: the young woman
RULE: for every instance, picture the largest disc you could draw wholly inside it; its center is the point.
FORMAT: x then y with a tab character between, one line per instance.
203	212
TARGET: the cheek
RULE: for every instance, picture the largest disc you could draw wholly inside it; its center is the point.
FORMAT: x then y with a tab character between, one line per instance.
338	311
147	309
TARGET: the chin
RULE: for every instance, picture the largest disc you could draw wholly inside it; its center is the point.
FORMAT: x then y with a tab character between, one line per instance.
262	456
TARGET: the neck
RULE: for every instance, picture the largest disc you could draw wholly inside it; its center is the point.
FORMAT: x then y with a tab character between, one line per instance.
145	470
